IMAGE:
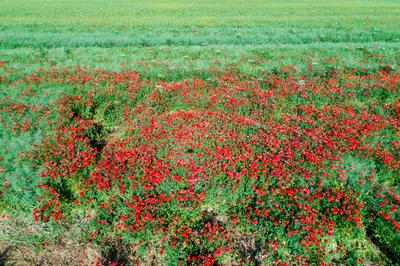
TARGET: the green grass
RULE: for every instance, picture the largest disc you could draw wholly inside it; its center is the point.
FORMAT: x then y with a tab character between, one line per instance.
177	62
125	13
188	34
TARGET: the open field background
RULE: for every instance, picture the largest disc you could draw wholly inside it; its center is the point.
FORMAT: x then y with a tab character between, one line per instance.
185	36
167	41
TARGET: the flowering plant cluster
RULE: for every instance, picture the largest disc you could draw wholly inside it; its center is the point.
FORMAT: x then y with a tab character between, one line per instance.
288	167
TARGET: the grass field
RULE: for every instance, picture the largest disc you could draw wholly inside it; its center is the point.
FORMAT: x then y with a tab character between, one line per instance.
211	132
184	35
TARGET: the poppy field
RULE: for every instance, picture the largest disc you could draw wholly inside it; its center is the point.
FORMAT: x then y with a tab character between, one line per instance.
272	144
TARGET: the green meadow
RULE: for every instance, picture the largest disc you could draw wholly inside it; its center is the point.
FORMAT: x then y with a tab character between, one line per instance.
181	35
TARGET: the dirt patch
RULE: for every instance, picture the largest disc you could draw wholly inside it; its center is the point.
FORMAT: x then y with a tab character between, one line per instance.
62	253
25	242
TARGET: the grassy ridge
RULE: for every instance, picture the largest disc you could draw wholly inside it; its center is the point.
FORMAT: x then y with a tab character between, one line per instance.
16	38
171	63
